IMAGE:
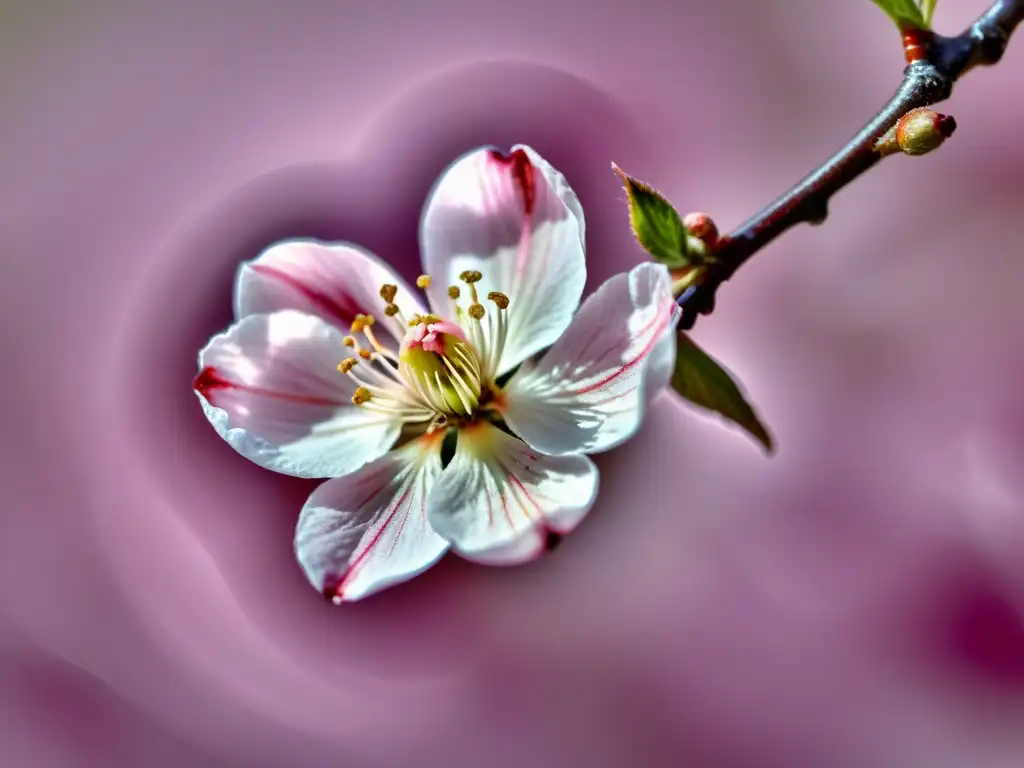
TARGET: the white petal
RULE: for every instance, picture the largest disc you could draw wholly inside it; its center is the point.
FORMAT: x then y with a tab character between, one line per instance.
516	221
560	186
499	502
335	281
271	388
589	392
366	531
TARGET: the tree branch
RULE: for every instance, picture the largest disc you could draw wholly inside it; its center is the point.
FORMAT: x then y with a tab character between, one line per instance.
935	63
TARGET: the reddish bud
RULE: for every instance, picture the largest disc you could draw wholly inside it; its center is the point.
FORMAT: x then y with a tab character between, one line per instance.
918	132
701	226
922	130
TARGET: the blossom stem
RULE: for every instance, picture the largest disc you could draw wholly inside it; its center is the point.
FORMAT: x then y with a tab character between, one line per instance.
935	63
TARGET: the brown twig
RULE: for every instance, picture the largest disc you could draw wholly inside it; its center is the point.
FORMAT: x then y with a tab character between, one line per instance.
935	63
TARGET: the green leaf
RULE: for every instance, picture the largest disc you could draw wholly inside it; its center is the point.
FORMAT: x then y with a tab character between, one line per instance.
656	224
699	378
908	13
928	11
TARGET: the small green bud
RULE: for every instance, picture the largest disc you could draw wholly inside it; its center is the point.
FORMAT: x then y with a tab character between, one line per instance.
918	132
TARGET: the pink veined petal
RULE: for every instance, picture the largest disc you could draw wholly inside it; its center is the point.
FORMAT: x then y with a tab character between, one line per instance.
589	391
270	387
499	502
560	186
335	281
515	220
366	531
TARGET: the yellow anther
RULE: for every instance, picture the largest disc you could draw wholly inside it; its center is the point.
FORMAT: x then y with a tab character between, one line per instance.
470	276
423	281
360	396
388	292
391	310
454	292
476	311
498	298
361	322
347	364
365	354
424	319
350	341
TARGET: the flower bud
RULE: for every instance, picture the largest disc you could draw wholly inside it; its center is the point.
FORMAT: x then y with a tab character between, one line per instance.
701	226
922	130
918	132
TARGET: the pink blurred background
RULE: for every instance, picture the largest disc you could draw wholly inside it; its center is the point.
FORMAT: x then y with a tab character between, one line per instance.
854	602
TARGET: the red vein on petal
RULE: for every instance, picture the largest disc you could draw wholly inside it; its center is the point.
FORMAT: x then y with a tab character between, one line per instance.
401	527
522	489
342	306
209	380
360	559
504	505
628	365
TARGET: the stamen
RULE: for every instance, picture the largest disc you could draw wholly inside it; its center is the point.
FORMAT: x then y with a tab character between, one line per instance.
468	359
476	311
415	386
393	310
361	322
423	320
454	292
391	387
348	365
423	281
471	277
405	414
423	386
499	331
388	292
377	346
459	385
391	393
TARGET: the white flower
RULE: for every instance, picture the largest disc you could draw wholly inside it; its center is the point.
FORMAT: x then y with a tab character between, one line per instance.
502	240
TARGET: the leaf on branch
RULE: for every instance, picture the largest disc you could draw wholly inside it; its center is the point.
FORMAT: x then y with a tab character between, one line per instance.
908	14
657	226
699	378
928	11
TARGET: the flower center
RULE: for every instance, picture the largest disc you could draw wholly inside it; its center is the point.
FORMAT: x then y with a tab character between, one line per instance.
442	366
442	369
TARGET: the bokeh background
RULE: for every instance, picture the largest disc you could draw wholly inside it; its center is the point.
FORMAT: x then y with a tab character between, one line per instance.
853	602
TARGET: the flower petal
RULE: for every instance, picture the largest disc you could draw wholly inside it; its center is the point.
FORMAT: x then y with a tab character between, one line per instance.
588	393
516	221
500	503
560	186
368	530
335	281
271	388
